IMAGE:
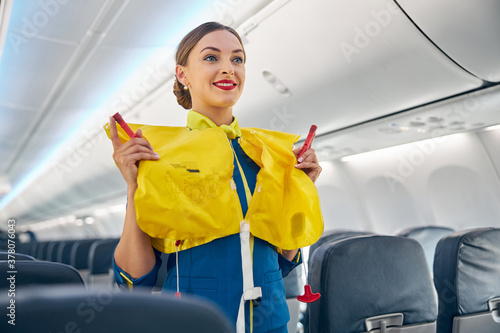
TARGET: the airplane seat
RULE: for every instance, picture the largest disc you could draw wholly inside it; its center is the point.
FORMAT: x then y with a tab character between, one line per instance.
327	237
4	255
33	249
52	251
428	236
372	283
24	248
162	273
41	250
467	279
104	311
80	256
39	273
334	235
101	262
64	252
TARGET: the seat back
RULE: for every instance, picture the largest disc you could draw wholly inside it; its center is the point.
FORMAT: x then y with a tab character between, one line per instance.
100	262
101	256
39	273
80	253
162	273
365	277
64	252
333	235
467	280
428	237
327	237
69	310
4	255
53	250
41	250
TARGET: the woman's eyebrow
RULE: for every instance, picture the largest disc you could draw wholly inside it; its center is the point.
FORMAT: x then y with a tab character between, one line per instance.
217	50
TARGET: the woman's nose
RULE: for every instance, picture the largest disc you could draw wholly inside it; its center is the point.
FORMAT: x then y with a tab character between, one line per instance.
227	67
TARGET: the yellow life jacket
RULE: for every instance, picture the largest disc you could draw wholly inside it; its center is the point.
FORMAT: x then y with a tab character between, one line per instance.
189	194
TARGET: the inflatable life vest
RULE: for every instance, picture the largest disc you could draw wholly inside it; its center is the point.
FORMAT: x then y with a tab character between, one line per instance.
189	194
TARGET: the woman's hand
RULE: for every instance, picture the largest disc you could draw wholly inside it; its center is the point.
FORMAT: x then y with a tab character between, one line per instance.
128	155
308	162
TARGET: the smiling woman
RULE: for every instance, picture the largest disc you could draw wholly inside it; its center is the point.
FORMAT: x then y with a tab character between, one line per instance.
234	201
223	68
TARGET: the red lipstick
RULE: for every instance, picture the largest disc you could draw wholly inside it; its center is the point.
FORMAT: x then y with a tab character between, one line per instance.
225	84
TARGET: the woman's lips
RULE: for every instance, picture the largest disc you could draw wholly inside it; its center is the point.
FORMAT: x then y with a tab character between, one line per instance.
225	84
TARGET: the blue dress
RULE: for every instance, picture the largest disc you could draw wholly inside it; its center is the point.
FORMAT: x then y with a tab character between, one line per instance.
213	270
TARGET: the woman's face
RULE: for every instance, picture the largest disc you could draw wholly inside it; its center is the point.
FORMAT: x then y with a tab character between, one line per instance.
215	71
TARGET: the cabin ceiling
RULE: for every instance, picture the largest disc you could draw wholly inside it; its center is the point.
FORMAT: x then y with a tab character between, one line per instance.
369	74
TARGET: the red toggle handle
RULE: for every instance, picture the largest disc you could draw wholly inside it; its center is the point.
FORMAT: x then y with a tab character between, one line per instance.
308	296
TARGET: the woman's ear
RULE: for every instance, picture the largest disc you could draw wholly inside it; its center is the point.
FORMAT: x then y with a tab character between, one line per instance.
180	72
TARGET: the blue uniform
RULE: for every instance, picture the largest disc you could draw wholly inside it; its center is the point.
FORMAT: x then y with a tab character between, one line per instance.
213	270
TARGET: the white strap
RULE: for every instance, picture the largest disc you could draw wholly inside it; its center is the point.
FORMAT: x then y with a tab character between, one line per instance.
250	292
240	322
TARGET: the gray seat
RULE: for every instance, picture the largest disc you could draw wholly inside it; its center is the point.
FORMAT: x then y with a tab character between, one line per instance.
372	283
70	310
64	252
80	256
39	273
41	250
162	273
467	280
327	237
52	251
428	237
334	235
101	261
80	253
4	255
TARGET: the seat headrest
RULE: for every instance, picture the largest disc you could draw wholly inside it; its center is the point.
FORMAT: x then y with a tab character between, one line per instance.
428	237
371	275
67	309
466	273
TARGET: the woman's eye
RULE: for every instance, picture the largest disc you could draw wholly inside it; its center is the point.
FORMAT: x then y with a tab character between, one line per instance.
238	60
210	58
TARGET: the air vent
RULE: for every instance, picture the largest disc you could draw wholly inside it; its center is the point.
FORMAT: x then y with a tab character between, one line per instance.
435	119
276	83
390	130
416	123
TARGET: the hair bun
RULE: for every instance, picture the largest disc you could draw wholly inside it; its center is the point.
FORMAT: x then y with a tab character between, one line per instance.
183	96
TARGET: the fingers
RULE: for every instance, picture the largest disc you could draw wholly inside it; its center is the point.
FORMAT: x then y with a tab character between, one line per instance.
308	156
131	159
115	140
308	163
141	149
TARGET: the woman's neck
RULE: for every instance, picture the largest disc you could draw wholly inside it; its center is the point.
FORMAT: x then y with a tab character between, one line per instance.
220	116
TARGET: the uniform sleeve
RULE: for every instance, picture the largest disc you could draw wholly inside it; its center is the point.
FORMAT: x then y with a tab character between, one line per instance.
286	265
126	282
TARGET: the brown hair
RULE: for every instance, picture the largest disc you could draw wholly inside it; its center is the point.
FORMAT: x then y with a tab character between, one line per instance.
184	49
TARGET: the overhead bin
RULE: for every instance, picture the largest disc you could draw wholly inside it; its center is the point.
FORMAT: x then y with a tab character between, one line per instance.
467	31
343	62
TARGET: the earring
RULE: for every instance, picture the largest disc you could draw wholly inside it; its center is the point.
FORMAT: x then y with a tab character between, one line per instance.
186	88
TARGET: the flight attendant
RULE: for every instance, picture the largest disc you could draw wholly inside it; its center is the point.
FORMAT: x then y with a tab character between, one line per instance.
261	208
